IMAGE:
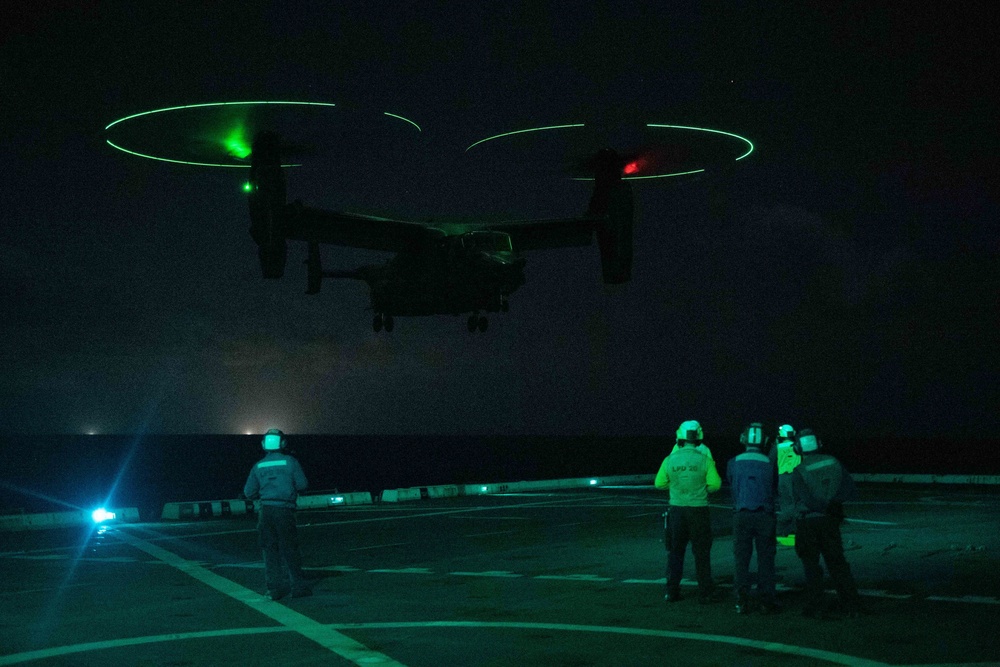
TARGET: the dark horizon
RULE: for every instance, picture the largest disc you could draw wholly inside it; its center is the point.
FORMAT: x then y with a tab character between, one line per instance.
151	470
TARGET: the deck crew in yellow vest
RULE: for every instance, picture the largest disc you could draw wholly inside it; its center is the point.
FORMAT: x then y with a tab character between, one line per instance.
689	474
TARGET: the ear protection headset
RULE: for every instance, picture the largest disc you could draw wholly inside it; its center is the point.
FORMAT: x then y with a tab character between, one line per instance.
752	435
274	440
690	431
806	441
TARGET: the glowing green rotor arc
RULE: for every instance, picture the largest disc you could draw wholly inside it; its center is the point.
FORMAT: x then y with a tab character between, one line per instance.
749	145
407	120
234	142
216	104
187	162
532	129
705	129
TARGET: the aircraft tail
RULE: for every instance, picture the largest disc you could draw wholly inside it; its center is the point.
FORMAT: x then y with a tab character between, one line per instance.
267	203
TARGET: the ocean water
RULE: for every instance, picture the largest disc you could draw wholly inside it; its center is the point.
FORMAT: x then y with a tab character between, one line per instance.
54	473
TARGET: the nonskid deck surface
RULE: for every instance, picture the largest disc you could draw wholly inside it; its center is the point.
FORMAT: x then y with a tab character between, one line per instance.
563	578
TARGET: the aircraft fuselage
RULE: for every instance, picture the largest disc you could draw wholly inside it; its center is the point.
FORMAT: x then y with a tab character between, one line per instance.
451	277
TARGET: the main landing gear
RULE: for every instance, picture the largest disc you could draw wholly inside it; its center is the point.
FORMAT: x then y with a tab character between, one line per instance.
477	321
382	320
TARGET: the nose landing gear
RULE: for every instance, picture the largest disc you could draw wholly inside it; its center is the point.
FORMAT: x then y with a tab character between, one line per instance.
383	320
477	321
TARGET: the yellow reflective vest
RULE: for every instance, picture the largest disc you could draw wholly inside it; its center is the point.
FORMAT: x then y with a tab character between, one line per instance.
689	474
787	458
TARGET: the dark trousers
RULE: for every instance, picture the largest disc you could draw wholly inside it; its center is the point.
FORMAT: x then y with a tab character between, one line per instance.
280	543
694	525
820	536
786	506
754	530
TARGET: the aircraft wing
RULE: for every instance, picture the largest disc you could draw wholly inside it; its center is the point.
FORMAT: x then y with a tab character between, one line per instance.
549	233
355	230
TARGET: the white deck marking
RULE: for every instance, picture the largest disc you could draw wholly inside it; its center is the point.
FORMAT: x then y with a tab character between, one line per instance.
978	599
59	651
573	577
323	635
405	570
773	647
379	546
43	590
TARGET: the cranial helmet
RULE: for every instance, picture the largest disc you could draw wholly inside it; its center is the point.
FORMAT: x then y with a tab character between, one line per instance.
690	431
274	440
786	432
806	441
752	435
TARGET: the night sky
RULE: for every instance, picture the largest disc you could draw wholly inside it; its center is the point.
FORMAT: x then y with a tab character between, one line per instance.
844	276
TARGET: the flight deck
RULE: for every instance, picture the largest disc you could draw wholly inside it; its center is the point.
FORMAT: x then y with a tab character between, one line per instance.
552	577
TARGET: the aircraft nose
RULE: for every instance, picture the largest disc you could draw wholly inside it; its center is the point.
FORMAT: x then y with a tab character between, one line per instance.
506	259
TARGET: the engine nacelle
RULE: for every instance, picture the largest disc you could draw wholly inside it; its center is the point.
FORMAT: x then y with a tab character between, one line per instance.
267	204
613	205
314	266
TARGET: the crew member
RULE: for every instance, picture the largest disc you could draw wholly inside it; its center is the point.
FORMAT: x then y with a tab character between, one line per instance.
820	485
785	459
752	480
689	474
276	480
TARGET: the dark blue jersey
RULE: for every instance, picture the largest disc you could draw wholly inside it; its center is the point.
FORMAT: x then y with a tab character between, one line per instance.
751	479
820	485
277	479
